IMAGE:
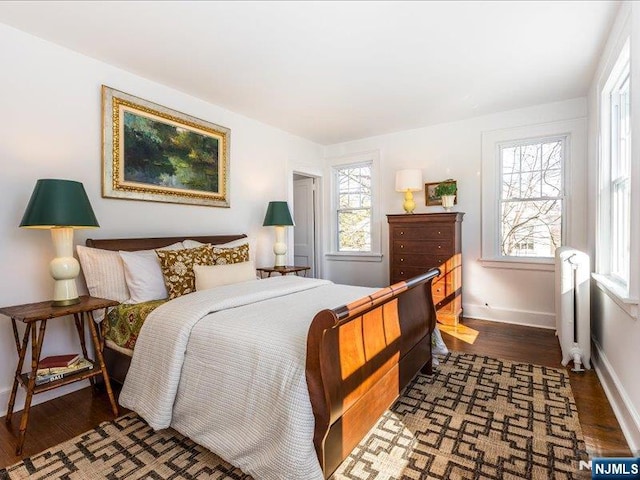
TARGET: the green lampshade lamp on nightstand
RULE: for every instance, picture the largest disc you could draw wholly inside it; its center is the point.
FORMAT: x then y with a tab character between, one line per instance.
61	206
279	216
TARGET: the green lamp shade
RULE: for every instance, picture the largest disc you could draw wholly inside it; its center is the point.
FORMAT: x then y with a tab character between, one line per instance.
277	214
59	203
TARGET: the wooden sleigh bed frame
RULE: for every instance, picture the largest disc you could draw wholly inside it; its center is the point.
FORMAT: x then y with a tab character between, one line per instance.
359	356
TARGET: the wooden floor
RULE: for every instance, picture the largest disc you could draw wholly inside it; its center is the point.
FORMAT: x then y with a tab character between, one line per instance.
65	417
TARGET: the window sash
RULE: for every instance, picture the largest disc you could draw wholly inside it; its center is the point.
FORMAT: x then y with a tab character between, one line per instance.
503	241
620	182
363	231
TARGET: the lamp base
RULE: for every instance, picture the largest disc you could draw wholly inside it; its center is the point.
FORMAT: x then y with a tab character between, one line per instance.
280	248
64	268
65	303
409	205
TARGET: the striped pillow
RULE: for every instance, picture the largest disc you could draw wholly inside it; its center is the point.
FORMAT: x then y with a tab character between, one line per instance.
104	273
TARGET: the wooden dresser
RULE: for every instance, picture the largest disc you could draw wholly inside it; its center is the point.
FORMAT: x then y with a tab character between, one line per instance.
421	241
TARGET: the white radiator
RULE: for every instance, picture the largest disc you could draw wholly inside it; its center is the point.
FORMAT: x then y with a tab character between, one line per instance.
573	321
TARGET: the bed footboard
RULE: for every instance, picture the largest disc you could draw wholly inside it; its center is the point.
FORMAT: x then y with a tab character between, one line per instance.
359	358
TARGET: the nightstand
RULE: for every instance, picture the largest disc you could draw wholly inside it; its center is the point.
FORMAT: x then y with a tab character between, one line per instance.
32	313
283	270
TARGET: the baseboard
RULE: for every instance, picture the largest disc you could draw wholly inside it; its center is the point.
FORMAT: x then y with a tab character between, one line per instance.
39	398
622	406
522	317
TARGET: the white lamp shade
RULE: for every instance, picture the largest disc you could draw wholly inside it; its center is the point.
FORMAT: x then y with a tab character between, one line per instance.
410	179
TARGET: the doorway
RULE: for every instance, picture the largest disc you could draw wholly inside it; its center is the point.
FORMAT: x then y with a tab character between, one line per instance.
305	232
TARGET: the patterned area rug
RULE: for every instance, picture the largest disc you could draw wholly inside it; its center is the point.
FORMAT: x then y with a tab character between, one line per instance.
476	418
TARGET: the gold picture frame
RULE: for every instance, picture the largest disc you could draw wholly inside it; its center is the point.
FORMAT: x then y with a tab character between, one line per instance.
430	193
156	154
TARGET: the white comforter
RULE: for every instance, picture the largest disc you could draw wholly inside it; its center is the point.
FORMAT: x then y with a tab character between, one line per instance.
226	367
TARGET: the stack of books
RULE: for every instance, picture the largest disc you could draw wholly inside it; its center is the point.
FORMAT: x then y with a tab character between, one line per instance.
57	367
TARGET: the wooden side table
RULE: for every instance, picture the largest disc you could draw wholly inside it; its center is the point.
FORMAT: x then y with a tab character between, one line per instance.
283	270
31	314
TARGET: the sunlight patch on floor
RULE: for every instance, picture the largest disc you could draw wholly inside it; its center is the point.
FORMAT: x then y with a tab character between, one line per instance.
461	332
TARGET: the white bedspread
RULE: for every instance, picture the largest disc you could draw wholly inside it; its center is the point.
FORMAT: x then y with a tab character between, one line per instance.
226	367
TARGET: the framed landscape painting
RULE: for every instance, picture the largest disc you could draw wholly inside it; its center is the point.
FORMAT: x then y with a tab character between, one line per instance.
153	153
430	193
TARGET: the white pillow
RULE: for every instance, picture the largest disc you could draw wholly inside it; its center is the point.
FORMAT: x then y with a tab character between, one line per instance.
143	274
209	276
104	273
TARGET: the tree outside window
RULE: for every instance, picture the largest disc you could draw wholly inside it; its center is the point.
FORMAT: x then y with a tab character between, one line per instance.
353	188
531	198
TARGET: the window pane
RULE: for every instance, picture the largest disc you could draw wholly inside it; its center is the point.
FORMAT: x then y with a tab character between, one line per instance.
620	234
551	183
354	230
530	157
531	228
510	160
552	155
530	184
511	186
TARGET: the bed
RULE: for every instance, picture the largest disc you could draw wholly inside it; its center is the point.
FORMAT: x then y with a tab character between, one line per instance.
358	357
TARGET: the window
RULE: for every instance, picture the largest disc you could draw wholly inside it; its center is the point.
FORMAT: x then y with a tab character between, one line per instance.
615	171
354	207
531	197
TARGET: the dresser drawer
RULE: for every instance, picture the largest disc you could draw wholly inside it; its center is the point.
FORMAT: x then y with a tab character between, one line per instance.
422	232
434	248
399	274
421	260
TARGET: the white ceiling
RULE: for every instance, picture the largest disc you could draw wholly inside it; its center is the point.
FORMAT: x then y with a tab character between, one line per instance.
337	71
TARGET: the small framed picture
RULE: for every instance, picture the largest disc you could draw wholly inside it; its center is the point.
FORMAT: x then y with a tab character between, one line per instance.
430	192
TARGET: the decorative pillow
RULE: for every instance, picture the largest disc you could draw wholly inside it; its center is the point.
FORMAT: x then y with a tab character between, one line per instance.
223	256
177	268
104	273
209	276
143	274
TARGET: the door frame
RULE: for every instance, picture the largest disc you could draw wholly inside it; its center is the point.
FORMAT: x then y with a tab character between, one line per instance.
316	174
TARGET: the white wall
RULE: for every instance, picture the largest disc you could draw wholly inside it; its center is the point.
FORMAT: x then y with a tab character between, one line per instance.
454	150
51	127
616	330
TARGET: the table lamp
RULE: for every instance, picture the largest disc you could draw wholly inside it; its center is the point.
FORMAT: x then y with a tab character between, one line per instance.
279	216
61	206
409	181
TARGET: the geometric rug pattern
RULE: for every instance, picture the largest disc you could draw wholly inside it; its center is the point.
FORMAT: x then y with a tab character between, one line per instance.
476	418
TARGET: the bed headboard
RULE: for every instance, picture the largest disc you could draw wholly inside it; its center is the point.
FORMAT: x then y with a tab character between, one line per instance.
131	244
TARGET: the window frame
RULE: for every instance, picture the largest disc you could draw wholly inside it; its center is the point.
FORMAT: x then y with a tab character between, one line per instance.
622	292
620	75
333	165
575	131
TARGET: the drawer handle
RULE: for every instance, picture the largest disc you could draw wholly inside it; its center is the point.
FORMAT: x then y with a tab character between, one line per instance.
439	233
401	273
401	233
402	259
401	246
439	246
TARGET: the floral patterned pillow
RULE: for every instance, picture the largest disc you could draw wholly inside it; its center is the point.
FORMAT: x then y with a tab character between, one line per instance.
177	268
224	256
